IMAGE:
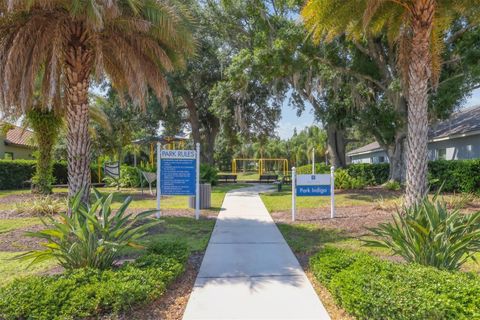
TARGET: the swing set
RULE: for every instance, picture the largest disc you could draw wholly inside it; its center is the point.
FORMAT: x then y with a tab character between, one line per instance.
261	164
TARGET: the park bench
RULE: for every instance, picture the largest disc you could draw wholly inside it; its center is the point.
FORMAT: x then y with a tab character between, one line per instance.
150	177
267	178
227	178
287	179
111	170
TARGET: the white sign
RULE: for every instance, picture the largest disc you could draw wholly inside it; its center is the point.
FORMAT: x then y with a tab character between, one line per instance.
313	185
313	179
178	154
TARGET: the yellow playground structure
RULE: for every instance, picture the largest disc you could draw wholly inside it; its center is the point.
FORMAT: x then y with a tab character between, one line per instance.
261	164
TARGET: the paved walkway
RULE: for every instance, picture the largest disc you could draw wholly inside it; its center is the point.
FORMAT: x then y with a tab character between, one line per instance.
249	271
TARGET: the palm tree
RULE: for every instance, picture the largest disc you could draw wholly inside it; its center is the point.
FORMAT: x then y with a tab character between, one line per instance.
416	28
70	43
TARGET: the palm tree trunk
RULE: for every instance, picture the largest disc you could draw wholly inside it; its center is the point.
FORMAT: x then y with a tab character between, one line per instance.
78	60
418	77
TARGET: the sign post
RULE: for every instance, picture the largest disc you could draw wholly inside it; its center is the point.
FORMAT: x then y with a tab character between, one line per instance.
314	185
294	193
159	192
332	192
178	173
313	160
197	187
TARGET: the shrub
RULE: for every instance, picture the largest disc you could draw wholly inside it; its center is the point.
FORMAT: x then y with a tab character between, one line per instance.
371	174
176	249
343	180
85	293
13	174
129	177
430	234
41	206
319	168
458	175
393	186
60	172
90	237
370	288
208	174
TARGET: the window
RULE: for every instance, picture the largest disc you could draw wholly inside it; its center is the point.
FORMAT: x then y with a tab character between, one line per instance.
8	156
381	159
469	154
442	154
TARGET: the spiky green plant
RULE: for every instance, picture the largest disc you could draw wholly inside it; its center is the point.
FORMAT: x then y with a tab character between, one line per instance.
90	236
432	235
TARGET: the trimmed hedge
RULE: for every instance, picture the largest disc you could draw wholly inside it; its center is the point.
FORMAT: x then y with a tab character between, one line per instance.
89	293
319	168
371	174
370	288
14	173
455	175
343	179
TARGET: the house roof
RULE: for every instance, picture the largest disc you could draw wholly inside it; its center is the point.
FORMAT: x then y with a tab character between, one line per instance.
371	147
462	122
19	137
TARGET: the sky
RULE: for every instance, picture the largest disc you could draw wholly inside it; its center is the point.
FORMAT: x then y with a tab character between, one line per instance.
289	119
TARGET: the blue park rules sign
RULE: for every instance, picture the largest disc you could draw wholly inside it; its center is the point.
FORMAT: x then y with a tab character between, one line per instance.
178	172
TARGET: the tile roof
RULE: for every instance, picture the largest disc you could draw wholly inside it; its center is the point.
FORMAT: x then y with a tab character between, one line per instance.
20	137
461	122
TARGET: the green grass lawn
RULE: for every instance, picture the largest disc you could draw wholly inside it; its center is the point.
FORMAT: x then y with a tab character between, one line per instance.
196	233
12	268
282	201
7	225
149	202
172	202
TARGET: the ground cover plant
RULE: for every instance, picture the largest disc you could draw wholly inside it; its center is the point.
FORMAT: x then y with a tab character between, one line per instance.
371	288
90	292
177	223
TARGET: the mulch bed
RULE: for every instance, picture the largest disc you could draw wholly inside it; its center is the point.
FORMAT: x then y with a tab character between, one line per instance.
16	240
353	220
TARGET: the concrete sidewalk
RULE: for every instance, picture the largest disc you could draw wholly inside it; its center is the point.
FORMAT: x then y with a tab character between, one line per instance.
249	271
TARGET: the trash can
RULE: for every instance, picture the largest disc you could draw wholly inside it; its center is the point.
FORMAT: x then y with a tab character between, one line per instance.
205	197
279	185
